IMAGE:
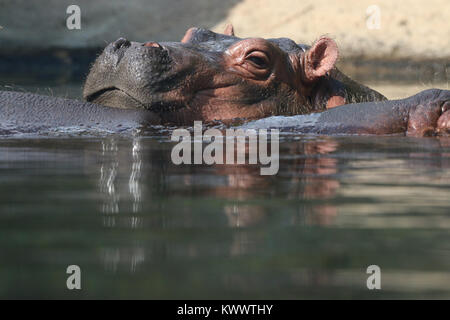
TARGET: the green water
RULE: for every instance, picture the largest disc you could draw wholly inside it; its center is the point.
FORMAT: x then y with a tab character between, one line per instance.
141	227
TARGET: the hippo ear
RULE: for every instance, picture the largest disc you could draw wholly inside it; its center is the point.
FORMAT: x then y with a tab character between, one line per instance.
188	35
320	58
229	30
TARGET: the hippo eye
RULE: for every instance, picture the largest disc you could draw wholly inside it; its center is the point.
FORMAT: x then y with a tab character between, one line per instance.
258	59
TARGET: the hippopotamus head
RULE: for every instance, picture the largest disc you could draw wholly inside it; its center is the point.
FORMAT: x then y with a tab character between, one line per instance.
210	76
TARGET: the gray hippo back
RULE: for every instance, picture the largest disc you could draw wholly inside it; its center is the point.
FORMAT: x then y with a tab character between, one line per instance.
32	113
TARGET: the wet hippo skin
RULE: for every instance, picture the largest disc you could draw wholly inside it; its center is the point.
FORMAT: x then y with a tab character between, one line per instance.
31	113
427	113
424	114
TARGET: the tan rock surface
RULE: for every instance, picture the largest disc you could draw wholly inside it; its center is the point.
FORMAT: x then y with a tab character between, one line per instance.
407	28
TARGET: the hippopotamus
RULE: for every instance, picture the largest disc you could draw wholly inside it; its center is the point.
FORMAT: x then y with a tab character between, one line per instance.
210	76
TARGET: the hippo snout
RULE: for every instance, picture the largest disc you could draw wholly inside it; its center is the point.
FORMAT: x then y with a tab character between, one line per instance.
131	75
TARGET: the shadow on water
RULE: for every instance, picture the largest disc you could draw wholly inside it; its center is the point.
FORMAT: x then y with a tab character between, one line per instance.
142	227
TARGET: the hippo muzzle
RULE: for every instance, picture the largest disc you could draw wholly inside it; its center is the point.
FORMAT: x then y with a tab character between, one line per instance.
131	75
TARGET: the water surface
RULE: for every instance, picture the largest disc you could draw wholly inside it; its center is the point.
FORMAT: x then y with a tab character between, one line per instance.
141	227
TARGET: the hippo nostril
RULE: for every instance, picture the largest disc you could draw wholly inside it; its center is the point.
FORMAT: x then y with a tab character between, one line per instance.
121	42
152	44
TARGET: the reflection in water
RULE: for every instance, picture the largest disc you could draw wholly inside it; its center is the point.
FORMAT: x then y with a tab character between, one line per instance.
242	215
310	171
130	258
115	164
108	173
134	183
337	205
304	193
308	176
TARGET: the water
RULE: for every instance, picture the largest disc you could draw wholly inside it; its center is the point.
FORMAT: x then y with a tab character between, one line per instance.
141	227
